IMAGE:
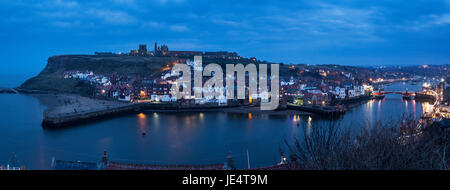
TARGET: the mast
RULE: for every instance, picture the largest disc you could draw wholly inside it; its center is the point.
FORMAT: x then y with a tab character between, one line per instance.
248	160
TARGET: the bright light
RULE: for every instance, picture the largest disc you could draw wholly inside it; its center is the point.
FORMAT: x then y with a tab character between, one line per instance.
142	116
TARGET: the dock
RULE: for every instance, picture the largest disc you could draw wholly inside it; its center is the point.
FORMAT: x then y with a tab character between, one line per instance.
69	119
329	111
423	97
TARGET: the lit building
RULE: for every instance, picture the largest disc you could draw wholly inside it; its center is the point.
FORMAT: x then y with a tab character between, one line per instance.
162	50
142	50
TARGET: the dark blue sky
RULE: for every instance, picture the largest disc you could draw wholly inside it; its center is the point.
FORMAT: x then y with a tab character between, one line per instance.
362	32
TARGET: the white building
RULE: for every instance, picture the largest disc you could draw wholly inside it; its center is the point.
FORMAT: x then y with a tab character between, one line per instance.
126	98
154	98
339	92
165	98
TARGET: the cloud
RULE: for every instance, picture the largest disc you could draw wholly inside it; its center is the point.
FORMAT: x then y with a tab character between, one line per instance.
58	14
124	1
178	28
164	2
272	29
66	24
151	24
441	19
57	4
226	22
427	22
112	16
65	4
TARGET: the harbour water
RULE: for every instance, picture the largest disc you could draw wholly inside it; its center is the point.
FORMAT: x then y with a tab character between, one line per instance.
172	138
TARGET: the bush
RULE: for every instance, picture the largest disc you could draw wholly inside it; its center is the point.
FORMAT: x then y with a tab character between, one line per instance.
393	145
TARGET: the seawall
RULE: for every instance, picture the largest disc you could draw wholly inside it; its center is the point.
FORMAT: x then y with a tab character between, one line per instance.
66	120
55	121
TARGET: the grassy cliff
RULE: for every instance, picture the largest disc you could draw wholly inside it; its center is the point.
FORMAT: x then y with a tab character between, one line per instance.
51	78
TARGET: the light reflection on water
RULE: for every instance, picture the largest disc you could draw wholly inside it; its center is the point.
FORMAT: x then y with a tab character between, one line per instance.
181	138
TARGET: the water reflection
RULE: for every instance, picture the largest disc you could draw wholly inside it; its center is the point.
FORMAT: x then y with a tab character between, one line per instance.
182	138
426	107
142	121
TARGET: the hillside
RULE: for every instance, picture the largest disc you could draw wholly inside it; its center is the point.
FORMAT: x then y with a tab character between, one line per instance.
51	77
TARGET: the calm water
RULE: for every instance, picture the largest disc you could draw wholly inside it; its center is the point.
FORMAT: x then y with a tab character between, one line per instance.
189	138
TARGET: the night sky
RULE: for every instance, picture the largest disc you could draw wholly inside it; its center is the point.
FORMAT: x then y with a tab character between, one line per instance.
363	32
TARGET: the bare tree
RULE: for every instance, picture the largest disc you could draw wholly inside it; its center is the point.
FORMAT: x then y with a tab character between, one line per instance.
391	145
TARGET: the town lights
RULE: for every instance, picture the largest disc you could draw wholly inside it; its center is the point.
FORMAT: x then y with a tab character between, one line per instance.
103	91
142	93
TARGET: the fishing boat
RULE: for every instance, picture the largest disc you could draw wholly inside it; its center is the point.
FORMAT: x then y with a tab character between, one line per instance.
378	95
408	97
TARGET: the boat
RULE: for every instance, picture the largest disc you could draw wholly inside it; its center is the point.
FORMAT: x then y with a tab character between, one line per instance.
320	110
408	97
423	96
378	96
12	165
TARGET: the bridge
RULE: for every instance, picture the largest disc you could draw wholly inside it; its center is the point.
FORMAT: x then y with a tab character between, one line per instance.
405	94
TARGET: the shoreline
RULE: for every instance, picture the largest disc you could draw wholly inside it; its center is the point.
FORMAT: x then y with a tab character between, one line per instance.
235	110
5	90
65	110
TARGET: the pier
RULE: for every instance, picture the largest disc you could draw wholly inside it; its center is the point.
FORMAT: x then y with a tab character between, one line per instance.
329	111
75	118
